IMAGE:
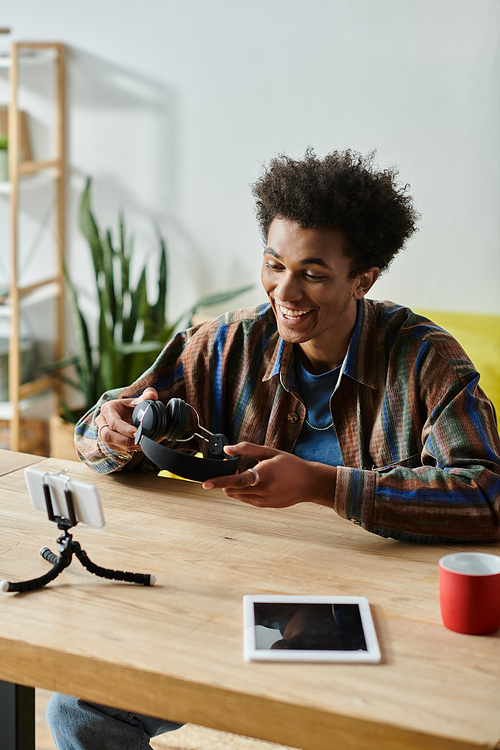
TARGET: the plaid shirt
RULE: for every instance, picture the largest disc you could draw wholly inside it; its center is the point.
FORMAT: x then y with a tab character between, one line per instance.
418	436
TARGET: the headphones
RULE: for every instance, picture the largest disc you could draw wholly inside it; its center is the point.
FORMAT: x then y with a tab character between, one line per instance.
155	421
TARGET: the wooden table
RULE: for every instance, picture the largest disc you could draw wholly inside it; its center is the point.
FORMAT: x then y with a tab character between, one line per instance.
175	650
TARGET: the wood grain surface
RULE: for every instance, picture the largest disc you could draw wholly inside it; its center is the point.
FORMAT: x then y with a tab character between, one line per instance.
175	650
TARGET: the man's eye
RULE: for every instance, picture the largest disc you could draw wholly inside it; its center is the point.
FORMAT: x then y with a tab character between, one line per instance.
311	277
273	267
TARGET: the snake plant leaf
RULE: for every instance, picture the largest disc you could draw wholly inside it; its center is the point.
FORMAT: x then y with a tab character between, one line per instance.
210	300
138	303
61	363
90	229
123	239
81	334
68	413
140	361
109	371
166	332
160	306
140	347
126	250
69	381
220	298
105	307
88	387
109	277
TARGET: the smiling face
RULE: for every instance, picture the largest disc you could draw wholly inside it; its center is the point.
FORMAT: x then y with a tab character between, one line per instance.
306	275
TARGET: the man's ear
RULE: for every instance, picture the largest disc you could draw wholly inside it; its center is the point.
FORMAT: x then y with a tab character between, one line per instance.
364	282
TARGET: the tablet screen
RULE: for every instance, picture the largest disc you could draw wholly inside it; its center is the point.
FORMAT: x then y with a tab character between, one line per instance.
302	628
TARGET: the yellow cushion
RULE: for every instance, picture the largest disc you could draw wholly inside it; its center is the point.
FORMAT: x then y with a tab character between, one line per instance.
479	335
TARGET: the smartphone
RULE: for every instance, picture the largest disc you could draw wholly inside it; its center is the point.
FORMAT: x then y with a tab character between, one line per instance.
85	496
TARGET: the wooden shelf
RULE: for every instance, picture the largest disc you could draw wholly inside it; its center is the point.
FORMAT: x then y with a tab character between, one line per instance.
30	55
33	295
35	387
7	411
32	167
24	174
32	179
33	436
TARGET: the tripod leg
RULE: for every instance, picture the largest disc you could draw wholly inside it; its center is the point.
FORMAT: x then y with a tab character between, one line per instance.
48	555
35	583
115	575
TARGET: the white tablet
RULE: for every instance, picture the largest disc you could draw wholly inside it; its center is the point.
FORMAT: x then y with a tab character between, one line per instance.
309	628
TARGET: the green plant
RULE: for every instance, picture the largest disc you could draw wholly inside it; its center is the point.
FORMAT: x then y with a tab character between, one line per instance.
4	142
131	330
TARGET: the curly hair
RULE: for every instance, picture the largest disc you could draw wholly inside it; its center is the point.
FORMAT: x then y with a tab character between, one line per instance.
343	191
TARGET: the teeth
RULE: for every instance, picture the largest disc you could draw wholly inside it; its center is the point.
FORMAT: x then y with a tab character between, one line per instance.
293	313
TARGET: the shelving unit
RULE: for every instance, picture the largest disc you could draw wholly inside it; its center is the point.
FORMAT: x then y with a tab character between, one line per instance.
21	174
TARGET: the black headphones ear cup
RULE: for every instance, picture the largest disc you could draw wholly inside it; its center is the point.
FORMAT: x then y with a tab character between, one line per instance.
150	416
177	415
159	421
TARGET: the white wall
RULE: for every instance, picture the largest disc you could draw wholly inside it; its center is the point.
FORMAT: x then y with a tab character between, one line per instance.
173	105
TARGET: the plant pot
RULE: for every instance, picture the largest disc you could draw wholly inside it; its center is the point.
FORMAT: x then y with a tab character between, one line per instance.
61	438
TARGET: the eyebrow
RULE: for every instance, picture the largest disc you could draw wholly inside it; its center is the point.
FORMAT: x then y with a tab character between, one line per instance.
304	262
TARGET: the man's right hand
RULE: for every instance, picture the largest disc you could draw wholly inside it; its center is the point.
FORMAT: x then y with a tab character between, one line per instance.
115	421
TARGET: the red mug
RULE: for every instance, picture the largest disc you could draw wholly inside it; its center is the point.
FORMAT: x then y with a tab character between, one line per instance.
469	592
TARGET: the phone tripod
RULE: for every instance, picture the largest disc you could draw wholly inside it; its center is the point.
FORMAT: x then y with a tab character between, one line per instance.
68	548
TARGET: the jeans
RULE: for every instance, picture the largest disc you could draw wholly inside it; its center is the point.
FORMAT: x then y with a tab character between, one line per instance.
78	725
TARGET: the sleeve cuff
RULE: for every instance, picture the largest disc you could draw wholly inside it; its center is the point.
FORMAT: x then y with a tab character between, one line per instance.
355	495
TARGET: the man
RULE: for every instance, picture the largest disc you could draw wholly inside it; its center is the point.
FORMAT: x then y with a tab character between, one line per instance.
358	405
328	397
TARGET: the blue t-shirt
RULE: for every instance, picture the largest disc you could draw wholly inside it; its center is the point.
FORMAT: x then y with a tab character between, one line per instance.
320	444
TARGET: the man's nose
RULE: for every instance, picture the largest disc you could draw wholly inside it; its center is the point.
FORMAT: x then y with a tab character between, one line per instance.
288	288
